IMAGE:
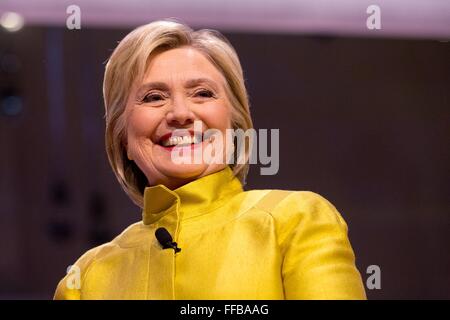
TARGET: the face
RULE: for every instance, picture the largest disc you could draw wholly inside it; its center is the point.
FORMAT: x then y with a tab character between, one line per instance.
181	87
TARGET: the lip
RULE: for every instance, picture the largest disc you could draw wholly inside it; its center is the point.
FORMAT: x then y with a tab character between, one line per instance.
181	134
191	146
171	134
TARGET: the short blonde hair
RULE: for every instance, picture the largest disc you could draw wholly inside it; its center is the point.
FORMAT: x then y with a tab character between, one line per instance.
128	64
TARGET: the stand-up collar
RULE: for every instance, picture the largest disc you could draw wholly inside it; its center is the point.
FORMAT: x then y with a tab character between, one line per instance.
192	199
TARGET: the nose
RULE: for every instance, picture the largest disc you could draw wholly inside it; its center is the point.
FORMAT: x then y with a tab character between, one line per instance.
180	114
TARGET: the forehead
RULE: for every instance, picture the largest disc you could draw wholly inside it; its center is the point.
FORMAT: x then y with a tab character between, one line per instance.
181	64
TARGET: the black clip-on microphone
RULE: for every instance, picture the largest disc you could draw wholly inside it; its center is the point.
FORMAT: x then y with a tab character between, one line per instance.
165	239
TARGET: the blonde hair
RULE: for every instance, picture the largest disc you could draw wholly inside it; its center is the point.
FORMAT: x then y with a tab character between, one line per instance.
128	63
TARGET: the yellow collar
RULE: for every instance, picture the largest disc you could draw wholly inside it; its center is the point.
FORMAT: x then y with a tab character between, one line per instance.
192	199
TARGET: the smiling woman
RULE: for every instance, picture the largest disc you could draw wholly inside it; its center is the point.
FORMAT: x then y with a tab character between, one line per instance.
179	87
165	86
163	77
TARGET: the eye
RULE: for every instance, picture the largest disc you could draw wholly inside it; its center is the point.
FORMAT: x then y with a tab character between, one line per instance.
152	97
204	93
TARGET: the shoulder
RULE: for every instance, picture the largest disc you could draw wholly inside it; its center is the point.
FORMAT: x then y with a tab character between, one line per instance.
69	286
291	208
84	263
312	237
125	238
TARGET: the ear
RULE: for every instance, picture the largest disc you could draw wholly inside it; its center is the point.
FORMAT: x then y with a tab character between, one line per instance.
129	156
125	145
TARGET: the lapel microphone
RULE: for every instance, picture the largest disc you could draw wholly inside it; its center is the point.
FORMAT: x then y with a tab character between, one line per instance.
165	239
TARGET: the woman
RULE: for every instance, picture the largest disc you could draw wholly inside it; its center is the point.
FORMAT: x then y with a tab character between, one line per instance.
163	79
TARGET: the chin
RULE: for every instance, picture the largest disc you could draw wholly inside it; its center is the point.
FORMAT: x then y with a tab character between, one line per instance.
184	170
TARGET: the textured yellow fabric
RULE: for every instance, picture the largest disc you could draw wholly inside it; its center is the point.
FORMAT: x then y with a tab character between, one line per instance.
235	244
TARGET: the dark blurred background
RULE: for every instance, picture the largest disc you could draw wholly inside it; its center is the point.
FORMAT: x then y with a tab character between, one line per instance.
363	118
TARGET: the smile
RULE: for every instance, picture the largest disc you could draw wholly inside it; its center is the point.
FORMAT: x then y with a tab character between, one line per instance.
182	138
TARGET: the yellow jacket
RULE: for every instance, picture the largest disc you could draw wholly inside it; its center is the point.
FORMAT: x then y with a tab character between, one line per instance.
258	244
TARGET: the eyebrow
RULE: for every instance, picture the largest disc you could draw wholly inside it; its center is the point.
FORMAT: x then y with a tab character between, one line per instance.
188	84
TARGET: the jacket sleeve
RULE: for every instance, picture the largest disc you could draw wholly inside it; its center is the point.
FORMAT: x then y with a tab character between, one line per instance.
69	287
318	260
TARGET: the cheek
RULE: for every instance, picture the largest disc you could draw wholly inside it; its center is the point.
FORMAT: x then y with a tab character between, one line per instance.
217	116
141	123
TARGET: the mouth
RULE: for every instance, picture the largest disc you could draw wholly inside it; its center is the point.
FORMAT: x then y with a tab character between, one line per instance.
184	139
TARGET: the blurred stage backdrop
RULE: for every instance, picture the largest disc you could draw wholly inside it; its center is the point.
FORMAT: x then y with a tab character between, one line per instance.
363	117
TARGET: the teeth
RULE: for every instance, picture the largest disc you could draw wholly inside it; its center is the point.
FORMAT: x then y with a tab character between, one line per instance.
181	140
